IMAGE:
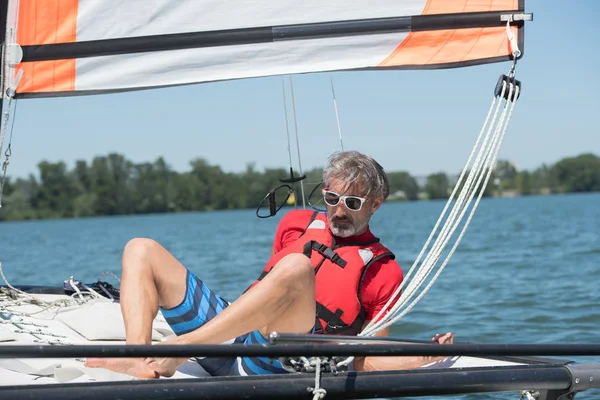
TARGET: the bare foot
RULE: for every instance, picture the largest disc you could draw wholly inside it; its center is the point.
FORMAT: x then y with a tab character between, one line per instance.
165	366
137	367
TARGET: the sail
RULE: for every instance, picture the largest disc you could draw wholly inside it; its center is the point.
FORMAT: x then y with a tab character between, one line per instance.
71	47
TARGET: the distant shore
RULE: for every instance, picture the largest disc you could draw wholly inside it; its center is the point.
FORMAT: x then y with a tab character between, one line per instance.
112	185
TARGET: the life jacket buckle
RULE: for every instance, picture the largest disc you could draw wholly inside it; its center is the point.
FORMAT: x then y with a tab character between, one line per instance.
331	254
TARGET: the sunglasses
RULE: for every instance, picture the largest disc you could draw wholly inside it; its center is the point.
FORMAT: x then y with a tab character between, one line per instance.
353	203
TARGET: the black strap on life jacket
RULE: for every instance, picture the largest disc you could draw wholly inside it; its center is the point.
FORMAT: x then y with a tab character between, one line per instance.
325	251
334	324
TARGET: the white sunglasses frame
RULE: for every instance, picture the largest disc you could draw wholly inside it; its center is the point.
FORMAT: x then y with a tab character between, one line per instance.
343	199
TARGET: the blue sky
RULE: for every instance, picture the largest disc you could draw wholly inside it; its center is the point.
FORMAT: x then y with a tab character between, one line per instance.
418	121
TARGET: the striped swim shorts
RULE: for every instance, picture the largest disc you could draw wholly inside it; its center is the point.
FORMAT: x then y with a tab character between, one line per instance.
199	306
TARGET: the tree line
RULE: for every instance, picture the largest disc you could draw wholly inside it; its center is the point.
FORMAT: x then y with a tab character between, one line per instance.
113	185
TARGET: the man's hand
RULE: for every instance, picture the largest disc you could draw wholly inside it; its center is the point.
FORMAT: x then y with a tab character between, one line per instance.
444	338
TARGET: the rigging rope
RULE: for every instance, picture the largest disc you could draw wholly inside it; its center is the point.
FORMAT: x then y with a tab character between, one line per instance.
297	141
483	166
287	130
12	296
337	117
10	93
8	151
506	93
318	392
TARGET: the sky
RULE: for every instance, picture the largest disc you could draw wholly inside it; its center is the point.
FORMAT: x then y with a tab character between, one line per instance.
417	121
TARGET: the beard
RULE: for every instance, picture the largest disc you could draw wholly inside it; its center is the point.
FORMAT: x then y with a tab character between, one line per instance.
345	227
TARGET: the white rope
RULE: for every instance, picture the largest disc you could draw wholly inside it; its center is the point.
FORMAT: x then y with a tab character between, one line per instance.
491	140
460	207
432	234
5	119
297	141
529	395
337	117
287	126
287	130
484	162
486	155
10	93
421	273
318	392
489	153
11	296
9	285
489	159
514	46
3	129
109	273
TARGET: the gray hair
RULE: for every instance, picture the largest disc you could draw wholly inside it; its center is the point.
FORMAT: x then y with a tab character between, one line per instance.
353	167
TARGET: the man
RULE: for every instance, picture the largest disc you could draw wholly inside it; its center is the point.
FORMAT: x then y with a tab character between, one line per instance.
328	274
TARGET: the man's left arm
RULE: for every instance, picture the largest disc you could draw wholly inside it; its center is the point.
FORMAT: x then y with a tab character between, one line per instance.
372	363
379	285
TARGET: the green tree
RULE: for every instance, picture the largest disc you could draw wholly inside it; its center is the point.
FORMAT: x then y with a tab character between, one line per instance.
404	182
579	174
57	189
16	201
524	185
507	173
111	180
113	185
437	186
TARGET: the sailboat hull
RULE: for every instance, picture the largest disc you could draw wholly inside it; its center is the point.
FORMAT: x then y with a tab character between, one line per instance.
98	321
343	386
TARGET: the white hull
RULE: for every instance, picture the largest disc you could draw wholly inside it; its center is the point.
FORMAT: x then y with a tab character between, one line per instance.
63	320
97	321
91	319
87	318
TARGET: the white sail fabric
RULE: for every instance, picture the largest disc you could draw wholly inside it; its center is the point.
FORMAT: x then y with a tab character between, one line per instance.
44	26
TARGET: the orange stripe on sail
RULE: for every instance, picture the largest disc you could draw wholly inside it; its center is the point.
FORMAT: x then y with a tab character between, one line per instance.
47	22
454	45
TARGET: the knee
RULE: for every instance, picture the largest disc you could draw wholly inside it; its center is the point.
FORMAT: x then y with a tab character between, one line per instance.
138	249
296	270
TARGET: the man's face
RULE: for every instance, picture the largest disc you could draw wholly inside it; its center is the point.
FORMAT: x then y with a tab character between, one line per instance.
344	220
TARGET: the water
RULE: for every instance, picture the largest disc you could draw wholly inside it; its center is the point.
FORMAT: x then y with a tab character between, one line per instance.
527	270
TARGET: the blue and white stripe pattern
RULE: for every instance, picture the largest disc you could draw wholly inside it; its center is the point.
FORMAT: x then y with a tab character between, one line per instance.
256	365
199	306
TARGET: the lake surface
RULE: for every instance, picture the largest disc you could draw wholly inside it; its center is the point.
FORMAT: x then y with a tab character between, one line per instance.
527	270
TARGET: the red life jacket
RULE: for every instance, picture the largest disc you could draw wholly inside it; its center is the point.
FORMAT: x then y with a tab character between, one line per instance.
339	272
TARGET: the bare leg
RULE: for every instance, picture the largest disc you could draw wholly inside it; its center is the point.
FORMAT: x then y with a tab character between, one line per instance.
151	277
283	301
